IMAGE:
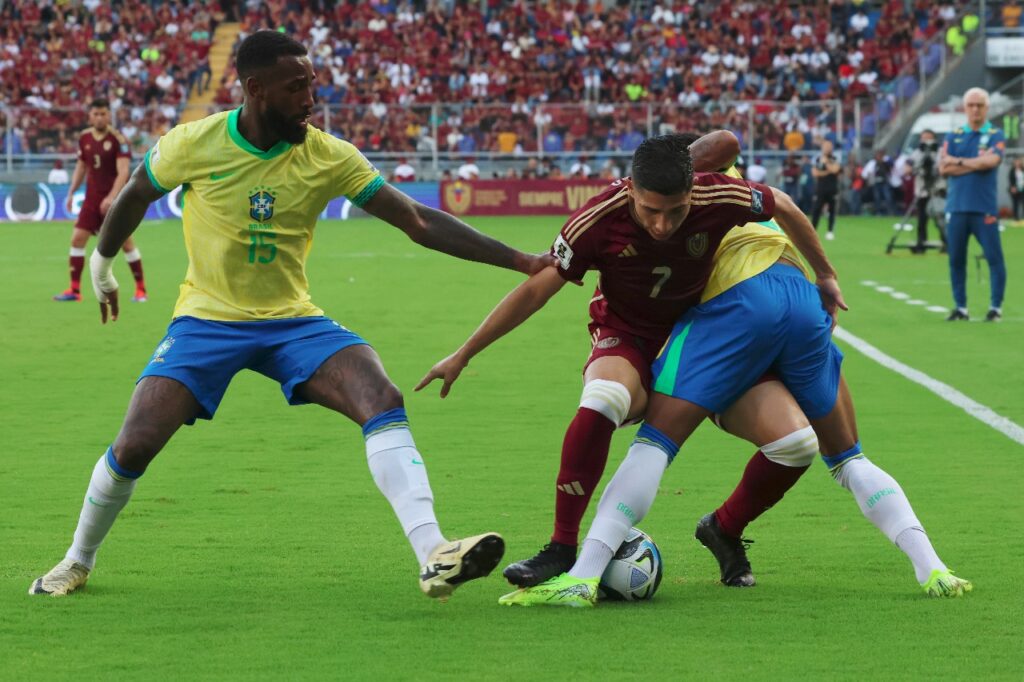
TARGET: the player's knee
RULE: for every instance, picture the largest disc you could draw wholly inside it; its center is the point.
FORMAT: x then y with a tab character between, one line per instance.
134	450
388	397
796	449
609	398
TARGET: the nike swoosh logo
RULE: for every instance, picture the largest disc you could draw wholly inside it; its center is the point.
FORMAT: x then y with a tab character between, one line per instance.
98	504
221	176
416	461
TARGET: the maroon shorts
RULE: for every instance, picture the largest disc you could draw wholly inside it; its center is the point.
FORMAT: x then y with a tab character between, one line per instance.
637	351
89	218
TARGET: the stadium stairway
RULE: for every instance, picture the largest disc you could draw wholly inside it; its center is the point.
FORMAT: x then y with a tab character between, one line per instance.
220	55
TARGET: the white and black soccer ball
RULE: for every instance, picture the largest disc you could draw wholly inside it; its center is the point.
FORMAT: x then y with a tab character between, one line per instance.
634	572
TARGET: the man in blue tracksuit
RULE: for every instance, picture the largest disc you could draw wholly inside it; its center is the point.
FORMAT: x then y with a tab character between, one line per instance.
969	158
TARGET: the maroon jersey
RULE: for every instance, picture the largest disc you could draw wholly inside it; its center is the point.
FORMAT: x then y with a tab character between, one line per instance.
100	155
645	284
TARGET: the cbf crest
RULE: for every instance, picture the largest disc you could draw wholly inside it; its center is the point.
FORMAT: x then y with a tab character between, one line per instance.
261	204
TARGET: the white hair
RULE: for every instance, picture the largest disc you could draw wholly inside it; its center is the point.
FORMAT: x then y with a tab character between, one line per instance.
977	91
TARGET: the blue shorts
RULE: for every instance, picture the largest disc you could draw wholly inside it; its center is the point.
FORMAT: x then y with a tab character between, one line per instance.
771	322
205	355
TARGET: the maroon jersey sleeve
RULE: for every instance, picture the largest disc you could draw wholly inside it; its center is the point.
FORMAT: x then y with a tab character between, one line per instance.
123	149
733	199
578	245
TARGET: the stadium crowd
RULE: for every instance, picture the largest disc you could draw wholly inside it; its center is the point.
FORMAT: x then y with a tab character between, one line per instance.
144	57
511	76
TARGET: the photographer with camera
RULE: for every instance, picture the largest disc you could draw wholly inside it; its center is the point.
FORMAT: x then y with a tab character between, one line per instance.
826	172
929	190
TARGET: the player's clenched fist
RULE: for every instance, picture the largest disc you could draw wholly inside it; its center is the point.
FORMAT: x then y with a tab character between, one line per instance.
104	285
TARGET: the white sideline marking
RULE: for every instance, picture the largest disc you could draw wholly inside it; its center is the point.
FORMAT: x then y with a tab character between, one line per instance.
917	301
983	414
899	295
883	289
937	308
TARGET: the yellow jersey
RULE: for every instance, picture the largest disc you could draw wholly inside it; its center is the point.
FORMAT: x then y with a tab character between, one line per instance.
746	251
248	215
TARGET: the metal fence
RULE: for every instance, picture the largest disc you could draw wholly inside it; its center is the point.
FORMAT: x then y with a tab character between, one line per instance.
436	137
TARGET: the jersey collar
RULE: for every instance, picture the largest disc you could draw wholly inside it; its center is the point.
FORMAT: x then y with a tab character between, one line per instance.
987	127
280	148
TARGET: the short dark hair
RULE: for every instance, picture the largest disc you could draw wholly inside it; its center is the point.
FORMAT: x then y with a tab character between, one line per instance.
100	103
662	164
262	49
929	131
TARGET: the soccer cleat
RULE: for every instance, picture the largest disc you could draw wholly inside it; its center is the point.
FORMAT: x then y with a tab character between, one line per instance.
830	236
993	315
945	584
140	296
69	295
554	559
730	552
563	590
958	314
64	578
458	561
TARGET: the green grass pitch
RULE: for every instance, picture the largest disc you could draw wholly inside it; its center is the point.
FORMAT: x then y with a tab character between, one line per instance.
258	547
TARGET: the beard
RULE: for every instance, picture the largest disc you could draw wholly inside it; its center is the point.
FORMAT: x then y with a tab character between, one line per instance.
288	129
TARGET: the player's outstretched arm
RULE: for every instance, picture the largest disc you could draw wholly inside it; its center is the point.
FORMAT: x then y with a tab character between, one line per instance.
514	309
442	232
124	216
799	229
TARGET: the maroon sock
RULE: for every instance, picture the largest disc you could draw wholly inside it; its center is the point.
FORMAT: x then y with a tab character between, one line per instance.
584	454
76	264
136	267
763	484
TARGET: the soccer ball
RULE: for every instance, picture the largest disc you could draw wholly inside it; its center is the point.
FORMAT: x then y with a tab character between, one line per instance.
634	572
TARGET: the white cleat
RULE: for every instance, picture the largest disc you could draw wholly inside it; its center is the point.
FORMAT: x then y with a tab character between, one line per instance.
458	561
829	236
64	578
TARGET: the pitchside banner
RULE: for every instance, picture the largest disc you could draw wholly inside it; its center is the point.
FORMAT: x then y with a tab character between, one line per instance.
517	197
38	201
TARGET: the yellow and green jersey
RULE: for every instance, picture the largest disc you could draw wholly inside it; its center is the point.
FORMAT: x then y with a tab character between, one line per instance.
746	251
249	214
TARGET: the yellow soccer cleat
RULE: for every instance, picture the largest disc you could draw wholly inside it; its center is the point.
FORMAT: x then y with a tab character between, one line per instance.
64	578
945	584
563	590
458	561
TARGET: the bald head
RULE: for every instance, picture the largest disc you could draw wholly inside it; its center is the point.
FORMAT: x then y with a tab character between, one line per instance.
976	107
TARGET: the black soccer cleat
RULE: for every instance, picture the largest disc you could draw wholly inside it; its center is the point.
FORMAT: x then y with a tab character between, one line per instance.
730	552
993	315
958	314
553	560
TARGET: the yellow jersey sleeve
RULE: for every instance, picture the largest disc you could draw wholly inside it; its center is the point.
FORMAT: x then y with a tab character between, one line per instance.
354	176
168	163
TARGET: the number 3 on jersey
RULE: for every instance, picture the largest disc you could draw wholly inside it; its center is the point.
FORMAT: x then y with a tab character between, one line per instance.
664	272
262	242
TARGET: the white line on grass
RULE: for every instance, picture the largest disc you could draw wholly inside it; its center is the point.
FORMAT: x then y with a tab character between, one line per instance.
983	414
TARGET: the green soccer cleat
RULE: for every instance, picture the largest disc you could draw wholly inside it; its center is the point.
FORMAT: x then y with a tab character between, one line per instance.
563	590
945	584
64	578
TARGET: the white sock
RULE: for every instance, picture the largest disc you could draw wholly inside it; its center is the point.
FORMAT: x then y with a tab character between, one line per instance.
883	502
399	472
132	256
915	544
106	496
625	502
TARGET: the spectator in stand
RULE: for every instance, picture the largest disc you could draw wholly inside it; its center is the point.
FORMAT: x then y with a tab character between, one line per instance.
1011	14
756	172
58	174
403	172
469	170
580	168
